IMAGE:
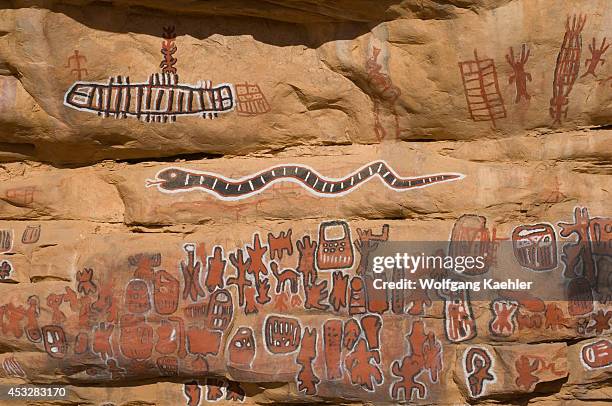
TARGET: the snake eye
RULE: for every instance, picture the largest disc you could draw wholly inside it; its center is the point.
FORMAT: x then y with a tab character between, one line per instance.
173	175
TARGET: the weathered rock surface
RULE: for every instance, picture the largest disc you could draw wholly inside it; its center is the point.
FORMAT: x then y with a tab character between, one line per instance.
330	83
152	255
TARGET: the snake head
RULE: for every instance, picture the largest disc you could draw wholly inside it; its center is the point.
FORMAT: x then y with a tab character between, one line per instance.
169	179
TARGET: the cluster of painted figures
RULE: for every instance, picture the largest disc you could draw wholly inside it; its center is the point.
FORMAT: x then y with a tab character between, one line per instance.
484	98
158	324
162	98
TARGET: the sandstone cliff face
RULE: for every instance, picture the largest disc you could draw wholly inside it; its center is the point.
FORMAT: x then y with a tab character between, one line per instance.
164	233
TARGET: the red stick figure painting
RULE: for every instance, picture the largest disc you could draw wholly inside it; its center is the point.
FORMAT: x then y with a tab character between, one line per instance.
596	57
478	369
425	354
280	245
363	368
74	62
168	50
385	94
526	369
240	279
216	269
519	77
503	317
191	274
306	379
